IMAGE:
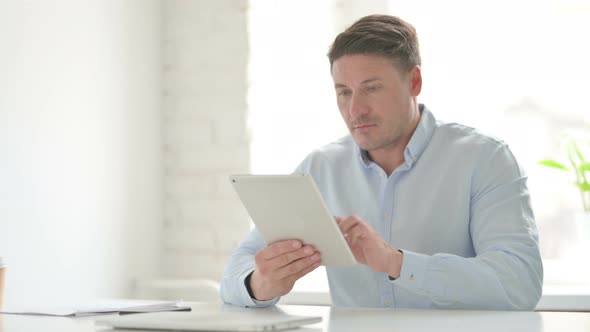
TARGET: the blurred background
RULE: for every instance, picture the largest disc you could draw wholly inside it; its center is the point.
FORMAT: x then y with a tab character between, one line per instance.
121	119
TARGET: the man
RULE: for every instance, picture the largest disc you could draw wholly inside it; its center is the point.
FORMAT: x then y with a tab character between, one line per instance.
438	215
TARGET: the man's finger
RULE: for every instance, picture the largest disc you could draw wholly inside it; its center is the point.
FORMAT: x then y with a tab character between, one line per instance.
354	234
305	271
297	266
346	224
289	257
280	247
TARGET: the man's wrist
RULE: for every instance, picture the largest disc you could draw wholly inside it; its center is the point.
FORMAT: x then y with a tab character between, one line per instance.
397	257
249	286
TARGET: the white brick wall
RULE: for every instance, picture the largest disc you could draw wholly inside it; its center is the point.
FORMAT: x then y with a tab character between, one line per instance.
205	138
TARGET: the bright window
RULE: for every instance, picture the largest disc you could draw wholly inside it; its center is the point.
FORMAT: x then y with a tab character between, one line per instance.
517	70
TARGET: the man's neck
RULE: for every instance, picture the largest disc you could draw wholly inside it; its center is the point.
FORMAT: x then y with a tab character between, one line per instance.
390	157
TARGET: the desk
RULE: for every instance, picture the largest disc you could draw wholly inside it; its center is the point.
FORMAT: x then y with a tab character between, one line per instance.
337	319
555	298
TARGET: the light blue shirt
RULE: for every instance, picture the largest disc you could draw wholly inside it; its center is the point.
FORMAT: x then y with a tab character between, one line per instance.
458	208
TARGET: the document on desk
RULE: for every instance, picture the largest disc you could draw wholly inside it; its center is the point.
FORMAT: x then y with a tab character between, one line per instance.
99	308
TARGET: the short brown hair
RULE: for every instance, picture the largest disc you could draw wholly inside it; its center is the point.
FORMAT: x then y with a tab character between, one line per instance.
384	35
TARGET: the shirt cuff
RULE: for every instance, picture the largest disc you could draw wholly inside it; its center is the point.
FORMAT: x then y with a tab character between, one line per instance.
250	302
413	270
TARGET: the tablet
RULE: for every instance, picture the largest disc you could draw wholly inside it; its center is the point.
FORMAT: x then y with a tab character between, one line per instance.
286	207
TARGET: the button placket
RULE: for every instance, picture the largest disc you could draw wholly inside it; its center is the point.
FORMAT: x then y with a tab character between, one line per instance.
388	298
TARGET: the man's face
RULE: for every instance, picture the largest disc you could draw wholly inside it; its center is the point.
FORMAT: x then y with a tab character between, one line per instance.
376	100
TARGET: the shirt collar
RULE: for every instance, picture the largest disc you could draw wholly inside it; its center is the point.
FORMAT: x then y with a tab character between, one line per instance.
418	142
362	155
421	136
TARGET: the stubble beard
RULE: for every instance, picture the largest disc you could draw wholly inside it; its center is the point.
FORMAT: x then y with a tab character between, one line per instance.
382	140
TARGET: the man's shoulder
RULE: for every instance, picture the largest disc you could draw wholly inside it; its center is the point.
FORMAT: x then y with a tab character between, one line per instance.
463	136
342	146
474	148
333	153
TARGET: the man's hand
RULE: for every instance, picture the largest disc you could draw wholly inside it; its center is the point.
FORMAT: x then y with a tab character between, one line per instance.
279	265
369	248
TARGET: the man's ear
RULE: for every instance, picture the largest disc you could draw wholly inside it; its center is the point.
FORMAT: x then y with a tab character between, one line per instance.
416	80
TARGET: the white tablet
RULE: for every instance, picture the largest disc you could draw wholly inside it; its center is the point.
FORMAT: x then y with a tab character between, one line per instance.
286	207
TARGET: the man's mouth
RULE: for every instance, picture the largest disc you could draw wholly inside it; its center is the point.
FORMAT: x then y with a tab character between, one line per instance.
363	126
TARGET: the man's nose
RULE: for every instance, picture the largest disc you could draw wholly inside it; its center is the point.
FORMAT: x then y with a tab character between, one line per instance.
358	106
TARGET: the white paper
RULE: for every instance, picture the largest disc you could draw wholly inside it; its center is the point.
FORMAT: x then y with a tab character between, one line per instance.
99	308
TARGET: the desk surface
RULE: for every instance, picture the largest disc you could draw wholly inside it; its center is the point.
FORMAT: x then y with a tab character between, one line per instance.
338	319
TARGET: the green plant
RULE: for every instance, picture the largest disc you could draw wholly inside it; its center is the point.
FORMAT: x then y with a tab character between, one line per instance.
579	166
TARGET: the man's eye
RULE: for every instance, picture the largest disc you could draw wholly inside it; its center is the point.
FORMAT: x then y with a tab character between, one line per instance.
373	88
343	93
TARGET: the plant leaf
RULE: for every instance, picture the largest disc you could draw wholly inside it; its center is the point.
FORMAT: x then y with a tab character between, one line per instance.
584	186
578	153
584	167
553	164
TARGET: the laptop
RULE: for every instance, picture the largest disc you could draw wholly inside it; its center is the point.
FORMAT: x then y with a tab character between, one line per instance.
247	320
